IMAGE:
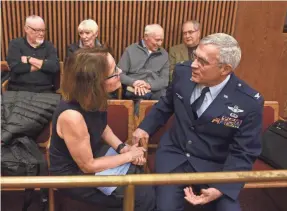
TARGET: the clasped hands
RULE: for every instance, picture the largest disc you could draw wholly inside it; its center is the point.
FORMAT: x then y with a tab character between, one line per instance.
141	87
206	196
135	153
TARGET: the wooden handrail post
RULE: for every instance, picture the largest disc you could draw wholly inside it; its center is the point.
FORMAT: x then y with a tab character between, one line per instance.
144	144
129	198
51	200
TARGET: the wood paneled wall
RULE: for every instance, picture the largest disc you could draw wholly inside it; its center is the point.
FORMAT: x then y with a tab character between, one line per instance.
121	23
259	31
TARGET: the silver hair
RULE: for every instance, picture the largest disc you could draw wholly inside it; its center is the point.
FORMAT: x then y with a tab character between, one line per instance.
88	24
152	28
196	24
31	18
229	49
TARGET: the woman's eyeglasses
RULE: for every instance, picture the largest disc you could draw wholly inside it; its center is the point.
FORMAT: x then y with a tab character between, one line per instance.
115	73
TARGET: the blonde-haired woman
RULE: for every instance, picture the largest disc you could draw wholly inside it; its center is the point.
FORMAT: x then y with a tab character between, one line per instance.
88	32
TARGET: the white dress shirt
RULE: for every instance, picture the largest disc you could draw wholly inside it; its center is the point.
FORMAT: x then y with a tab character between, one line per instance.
209	96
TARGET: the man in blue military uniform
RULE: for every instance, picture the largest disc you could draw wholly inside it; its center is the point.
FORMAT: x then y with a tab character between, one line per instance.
217	126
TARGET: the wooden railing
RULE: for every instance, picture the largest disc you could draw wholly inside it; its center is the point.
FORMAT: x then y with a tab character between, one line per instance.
262	179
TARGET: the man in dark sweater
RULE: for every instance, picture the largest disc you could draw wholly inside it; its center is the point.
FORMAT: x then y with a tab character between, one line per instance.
32	60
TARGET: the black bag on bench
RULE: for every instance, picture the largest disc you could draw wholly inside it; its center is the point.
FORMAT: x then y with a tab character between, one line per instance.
274	145
22	157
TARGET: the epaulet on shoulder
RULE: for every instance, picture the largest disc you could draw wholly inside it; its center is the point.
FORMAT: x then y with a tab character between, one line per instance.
247	90
184	63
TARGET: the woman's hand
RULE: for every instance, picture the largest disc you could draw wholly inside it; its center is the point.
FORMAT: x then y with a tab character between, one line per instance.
139	161
125	149
135	153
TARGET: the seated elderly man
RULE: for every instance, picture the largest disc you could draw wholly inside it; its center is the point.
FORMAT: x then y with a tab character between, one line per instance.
88	31
32	60
145	66
191	31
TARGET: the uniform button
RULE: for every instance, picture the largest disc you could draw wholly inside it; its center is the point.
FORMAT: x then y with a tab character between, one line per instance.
189	142
187	155
192	128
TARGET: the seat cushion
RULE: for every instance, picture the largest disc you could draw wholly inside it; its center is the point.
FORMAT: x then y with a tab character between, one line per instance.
261	165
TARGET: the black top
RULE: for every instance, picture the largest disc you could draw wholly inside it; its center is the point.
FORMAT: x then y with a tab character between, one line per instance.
61	161
21	76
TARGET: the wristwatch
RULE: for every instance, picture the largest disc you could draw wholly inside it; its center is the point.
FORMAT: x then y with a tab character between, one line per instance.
28	58
120	147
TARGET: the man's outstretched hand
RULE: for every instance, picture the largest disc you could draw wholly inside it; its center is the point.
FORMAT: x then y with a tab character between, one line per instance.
206	196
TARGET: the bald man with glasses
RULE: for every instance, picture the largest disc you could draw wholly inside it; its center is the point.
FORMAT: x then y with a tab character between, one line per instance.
33	61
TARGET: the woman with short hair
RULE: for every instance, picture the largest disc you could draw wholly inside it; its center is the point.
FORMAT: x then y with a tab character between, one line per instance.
88	32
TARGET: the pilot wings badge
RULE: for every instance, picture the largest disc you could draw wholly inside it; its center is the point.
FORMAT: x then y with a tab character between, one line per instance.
235	109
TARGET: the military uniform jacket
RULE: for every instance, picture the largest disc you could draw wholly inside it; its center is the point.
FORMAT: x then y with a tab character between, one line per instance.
226	137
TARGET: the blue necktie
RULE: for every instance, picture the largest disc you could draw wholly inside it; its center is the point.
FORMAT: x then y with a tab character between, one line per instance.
198	102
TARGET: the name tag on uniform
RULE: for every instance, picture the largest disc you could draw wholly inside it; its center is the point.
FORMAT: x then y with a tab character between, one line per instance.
179	96
227	121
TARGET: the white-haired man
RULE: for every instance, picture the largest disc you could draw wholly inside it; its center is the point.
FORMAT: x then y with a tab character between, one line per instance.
88	32
32	60
145	66
191	31
217	126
